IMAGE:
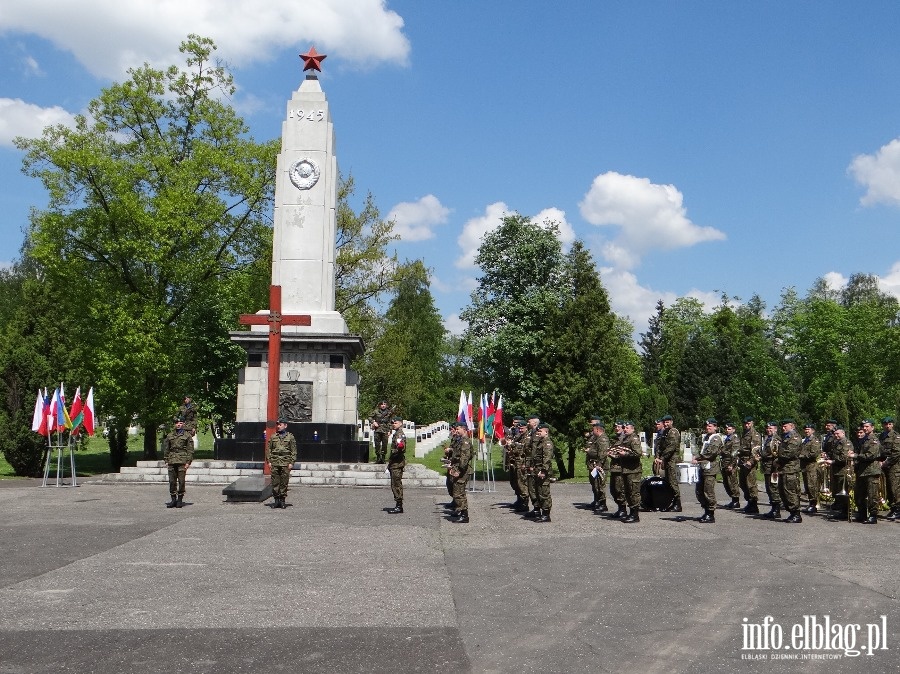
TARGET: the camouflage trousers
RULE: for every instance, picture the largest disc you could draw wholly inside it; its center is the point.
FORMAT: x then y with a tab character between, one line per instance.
176	478
705	489
617	488
542	490
670	472
281	475
747	480
811	481
460	500
772	492
598	484
517	480
866	494
381	446
631	483
529	486
730	480
892	482
396	470
789	490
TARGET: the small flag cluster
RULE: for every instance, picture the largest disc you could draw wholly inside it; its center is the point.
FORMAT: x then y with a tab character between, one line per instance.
50	413
490	415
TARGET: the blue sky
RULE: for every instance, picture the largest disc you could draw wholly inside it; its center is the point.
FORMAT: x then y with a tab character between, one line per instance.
696	147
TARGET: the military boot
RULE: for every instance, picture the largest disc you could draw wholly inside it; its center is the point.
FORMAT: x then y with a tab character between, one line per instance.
462	519
709	517
277	503
774	513
397	509
545	516
180	501
521	505
734	505
621	512
634	516
752	508
795	517
534	513
284	504
601	507
173	502
811	509
894	515
673	507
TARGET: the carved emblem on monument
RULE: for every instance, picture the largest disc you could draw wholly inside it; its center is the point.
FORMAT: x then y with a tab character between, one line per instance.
304	173
295	401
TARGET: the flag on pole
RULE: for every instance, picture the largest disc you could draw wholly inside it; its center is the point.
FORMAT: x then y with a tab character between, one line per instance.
88	412
65	421
38	415
482	416
54	415
75	412
499	431
461	412
470	419
44	428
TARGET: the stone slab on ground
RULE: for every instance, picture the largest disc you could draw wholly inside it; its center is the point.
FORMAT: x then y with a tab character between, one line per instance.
103	578
254	489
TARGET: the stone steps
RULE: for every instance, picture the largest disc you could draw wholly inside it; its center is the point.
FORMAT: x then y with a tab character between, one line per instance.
322	474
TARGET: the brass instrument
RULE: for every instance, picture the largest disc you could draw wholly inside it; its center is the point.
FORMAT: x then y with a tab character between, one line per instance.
825	488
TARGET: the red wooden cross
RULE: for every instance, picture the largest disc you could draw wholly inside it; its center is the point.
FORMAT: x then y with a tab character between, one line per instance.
275	320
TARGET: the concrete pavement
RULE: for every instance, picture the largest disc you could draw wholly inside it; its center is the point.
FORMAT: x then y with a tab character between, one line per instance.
105	579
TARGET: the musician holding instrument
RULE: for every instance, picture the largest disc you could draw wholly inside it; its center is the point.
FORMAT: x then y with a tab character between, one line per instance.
748	458
670	455
767	454
788	467
514	463
890	446
868	471
630	452
616	481
728	460
597	459
529	441
810	450
837	453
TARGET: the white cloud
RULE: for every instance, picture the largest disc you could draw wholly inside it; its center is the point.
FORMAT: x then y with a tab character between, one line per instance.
108	36
18	118
891	283
414	220
475	229
455	325
566	233
32	67
879	173
629	298
835	280
649	217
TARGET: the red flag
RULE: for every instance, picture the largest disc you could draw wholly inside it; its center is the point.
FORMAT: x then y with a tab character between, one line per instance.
88	411
499	431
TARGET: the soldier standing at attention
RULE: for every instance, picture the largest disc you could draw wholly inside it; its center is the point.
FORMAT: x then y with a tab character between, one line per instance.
528	444
282	453
396	464
514	463
837	452
188	412
630	454
616	481
542	465
787	465
748	458
670	454
828	440
890	445
596	457
461	470
707	460
728	460
767	454
868	471
381	429
450	452
810	450
178	454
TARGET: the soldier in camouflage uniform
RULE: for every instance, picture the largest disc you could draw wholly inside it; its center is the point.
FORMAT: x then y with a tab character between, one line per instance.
597	460
787	465
528	445
890	448
542	469
188	413
630	452
450	452
282	453
670	455
707	458
380	422
810	451
514	463
828	440
178	453
396	464
728	461
868	473
461	469
837	450
767	453
748	459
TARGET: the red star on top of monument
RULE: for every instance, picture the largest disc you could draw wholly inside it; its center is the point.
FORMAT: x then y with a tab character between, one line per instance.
312	60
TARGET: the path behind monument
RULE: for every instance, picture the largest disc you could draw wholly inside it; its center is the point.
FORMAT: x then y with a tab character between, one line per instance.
105	579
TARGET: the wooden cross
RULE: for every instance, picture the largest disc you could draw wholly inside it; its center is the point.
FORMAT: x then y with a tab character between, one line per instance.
275	320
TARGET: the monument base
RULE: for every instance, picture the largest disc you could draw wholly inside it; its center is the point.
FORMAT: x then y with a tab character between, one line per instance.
255	489
316	443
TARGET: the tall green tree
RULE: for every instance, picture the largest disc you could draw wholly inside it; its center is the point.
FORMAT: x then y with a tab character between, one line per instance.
158	199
